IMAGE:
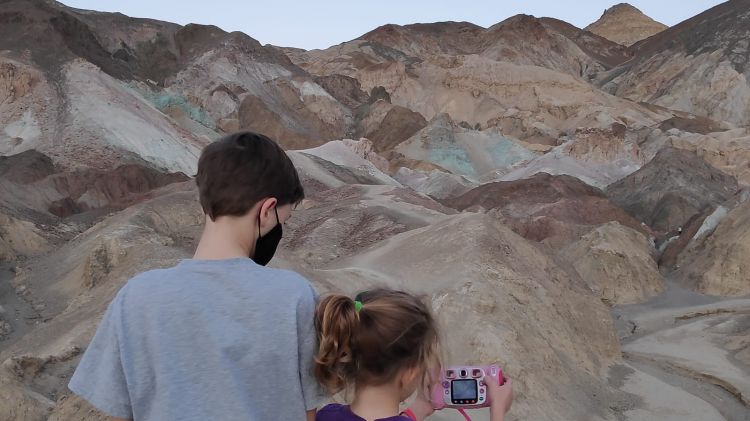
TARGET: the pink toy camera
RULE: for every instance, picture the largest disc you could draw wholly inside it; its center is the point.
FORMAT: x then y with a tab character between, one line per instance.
463	387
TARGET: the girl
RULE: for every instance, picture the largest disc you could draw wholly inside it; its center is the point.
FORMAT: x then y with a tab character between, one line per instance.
382	346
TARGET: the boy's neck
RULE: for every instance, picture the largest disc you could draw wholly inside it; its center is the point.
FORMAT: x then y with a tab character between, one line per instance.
225	239
376	402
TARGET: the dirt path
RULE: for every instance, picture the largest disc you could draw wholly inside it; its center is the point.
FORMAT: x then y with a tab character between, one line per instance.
690	356
692	394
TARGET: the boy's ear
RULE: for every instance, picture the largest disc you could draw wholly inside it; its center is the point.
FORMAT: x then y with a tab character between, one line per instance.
267	214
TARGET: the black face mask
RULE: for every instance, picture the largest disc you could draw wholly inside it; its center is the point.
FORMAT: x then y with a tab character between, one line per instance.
265	246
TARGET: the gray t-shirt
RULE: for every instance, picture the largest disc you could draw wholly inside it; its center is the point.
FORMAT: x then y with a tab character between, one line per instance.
205	340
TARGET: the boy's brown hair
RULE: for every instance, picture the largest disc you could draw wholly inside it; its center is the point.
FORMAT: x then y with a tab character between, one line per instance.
241	169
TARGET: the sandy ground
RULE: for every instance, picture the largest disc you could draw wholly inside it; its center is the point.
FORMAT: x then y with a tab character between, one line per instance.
664	402
677	346
695	394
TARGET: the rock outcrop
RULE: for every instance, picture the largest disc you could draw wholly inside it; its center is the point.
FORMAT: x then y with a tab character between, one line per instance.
344	221
397	125
716	260
671	188
725	150
556	210
618	264
19	237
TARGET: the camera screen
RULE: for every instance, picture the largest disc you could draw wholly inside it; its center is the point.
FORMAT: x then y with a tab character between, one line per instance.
464	389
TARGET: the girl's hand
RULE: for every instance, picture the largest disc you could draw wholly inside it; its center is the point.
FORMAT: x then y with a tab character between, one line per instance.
501	397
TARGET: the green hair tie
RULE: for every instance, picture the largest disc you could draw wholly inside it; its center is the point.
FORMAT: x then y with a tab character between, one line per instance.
357	306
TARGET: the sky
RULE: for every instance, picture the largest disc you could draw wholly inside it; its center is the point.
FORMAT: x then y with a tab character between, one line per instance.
320	24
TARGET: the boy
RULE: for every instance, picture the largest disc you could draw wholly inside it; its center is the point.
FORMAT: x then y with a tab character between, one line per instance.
219	336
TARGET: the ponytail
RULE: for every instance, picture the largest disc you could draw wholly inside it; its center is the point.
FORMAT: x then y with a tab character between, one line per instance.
335	321
370	341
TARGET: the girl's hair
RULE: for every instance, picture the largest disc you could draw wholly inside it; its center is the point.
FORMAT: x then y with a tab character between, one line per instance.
393	330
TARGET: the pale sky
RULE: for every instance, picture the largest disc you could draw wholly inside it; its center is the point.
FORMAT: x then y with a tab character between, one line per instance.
312	24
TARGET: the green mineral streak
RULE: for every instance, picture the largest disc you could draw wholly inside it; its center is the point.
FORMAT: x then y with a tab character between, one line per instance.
166	99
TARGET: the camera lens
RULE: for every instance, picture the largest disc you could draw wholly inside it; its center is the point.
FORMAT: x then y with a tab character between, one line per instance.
463	373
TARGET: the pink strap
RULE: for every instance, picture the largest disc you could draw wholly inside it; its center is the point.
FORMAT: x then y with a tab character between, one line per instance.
466	416
409	413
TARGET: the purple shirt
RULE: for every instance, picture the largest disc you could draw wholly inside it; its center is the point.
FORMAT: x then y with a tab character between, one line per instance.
338	412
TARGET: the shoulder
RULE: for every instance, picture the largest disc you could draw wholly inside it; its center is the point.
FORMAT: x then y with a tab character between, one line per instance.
149	288
153	275
289	276
147	281
291	283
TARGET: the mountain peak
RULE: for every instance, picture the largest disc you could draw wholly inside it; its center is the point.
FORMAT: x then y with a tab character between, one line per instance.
625	24
622	8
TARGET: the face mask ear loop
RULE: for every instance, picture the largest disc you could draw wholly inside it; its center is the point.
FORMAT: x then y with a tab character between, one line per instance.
278	221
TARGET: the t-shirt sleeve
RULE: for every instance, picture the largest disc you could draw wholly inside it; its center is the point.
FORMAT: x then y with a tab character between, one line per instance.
100	377
313	393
